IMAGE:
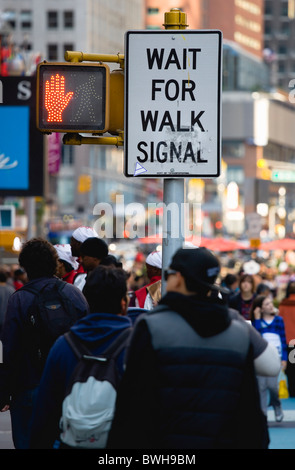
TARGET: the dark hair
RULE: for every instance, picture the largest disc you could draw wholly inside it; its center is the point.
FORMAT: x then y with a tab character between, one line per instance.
261	288
257	302
39	258
290	288
105	288
68	267
3	275
18	272
230	279
247	277
111	260
94	247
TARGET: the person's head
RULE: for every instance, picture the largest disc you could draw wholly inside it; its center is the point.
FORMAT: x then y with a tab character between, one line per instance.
111	260
3	276
290	288
92	252
231	281
263	289
247	284
265	305
38	257
193	271
20	274
106	290
66	262
154	264
79	236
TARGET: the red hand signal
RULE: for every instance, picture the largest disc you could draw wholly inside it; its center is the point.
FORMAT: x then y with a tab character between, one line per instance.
55	99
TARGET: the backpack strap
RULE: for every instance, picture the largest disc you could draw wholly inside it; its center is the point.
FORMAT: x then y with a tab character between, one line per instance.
119	343
77	346
57	282
113	349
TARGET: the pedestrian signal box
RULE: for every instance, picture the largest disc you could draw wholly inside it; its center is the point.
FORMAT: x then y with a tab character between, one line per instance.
72	97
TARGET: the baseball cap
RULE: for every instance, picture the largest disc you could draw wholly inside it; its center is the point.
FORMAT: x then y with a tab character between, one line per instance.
155	259
82	233
64	253
199	266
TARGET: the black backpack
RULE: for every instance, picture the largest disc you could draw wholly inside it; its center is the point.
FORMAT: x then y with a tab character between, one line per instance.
51	315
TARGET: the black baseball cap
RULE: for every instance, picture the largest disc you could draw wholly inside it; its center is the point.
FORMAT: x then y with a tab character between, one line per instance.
199	266
94	247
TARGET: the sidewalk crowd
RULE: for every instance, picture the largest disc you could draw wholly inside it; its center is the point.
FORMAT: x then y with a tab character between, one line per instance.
198	368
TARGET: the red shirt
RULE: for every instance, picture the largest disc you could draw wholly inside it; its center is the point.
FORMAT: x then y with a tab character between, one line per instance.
142	292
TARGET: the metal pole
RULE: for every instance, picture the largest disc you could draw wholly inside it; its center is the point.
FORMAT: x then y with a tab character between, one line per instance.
173	190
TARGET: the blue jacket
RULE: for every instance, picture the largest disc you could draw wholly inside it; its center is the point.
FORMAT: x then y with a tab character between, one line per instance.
276	327
19	372
97	330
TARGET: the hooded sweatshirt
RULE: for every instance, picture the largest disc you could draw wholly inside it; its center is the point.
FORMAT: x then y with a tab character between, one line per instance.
97	331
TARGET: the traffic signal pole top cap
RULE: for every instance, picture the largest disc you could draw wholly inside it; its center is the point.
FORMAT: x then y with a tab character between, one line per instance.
175	19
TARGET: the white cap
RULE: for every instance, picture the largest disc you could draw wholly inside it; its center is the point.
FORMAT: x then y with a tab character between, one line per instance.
82	233
155	259
64	253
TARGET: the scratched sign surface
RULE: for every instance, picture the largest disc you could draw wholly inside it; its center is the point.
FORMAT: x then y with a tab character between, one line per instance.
172	103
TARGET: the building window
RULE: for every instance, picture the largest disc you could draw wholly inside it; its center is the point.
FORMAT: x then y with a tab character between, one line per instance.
282	49
233	148
52	52
268	7
9	16
236	174
66	191
26	19
68	47
281	67
67	156
285	28
284	9
68	19
153	11
267	27
52	19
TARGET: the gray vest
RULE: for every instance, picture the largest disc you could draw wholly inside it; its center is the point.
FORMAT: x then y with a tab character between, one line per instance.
169	329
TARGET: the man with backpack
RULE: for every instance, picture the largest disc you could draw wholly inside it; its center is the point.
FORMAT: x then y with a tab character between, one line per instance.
36	315
76	397
190	378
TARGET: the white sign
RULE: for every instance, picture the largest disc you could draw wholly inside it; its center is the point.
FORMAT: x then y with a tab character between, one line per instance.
173	103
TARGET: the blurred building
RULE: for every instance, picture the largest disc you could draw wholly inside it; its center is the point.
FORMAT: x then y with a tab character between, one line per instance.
258	118
279	41
258	149
78	176
240	21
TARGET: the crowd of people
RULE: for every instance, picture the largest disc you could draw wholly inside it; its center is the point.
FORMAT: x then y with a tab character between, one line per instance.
175	391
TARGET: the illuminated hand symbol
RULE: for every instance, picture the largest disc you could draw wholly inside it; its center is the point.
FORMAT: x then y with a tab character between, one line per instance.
55	99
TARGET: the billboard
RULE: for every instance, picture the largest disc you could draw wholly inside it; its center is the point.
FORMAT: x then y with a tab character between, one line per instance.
21	144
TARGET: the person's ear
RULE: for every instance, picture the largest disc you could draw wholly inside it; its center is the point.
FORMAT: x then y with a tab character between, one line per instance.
124	305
